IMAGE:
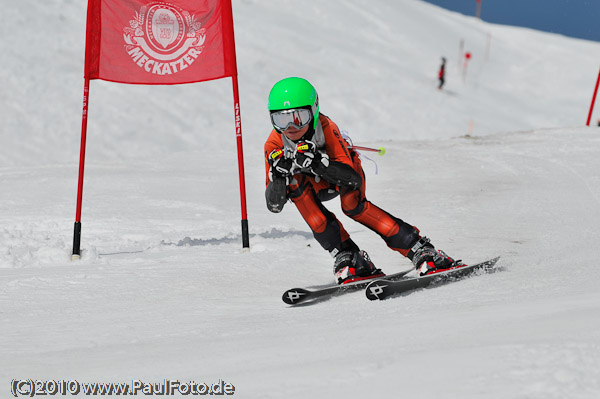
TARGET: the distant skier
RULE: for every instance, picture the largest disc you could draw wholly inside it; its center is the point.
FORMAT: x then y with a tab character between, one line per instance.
442	74
308	162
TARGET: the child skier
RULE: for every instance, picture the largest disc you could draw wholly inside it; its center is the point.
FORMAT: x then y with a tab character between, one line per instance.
308	162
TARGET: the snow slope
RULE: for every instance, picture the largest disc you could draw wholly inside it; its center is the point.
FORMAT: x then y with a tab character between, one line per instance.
163	289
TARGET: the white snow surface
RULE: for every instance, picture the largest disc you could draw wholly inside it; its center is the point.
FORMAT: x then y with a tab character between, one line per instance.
164	290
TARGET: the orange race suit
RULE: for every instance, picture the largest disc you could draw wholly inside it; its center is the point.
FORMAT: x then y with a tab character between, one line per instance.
344	177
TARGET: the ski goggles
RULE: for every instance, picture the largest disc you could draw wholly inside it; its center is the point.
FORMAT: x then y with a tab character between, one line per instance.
297	117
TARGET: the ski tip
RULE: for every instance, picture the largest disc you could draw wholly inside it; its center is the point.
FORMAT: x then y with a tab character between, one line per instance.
487	264
294	296
491	262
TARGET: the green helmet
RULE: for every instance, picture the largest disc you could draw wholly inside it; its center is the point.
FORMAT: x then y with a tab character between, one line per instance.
291	93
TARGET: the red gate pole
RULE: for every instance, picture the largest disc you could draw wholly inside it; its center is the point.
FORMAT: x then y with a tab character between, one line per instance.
84	119
240	150
593	100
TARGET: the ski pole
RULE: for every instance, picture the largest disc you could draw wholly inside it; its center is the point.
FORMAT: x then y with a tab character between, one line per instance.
380	150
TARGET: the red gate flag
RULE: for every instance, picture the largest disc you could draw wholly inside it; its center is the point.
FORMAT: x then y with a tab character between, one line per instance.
159	42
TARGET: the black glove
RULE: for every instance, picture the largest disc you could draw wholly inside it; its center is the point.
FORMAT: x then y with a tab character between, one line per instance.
276	195
306	156
280	166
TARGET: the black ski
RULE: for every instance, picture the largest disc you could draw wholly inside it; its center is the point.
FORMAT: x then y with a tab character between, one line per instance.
384	287
296	296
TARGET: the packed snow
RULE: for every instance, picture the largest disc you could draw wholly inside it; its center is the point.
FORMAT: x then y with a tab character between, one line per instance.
499	162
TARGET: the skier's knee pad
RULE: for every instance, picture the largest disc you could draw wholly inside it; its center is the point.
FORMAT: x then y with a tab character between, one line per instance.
352	204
